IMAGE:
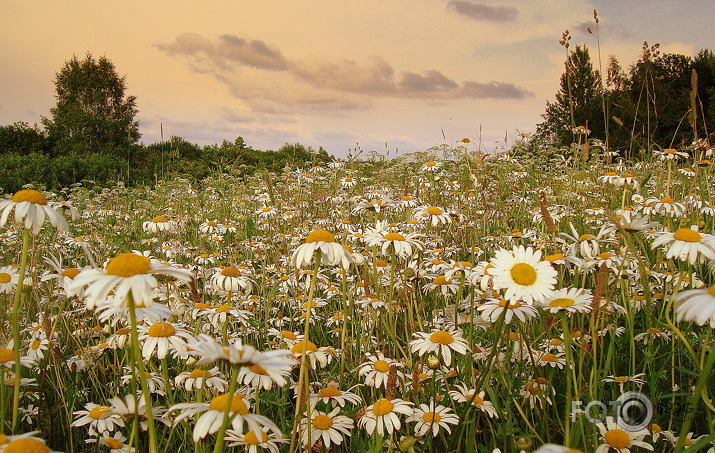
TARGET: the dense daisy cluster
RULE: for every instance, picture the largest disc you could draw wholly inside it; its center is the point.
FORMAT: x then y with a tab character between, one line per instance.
425	304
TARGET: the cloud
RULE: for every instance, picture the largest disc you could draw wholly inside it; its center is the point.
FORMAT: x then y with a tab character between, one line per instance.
228	49
260	75
480	11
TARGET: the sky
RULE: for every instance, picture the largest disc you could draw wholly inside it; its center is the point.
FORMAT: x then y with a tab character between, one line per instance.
393	76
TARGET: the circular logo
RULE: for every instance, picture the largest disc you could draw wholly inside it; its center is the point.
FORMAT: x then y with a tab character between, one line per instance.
633	411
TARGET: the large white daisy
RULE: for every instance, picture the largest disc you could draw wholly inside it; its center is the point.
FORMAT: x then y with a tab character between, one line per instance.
31	211
522	274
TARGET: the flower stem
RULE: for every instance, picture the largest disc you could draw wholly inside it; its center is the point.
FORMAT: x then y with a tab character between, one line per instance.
137	356
694	399
218	448
15	325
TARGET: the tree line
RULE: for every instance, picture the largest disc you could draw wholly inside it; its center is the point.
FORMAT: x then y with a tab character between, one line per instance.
92	135
664	100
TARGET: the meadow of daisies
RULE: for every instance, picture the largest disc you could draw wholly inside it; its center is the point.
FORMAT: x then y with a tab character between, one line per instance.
443	301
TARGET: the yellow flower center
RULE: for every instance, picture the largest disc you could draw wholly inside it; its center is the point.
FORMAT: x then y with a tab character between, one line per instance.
562	302
670	150
6	355
348	179
621	379
431	417
251	438
320	236
128	265
654	330
441	280
394	237
687	235
505	303
159	219
617	438
554	257
430	164
441	337
113	443
711	290
298	347
322	422
199	373
258	370
5	278
381	366
477	400
35	345
523	274
31	195
218	403
573	450
26	445
434	210
70	272
211	223
549	358
668	200
230	272
382	407
98	411
161	330
329	392
287	334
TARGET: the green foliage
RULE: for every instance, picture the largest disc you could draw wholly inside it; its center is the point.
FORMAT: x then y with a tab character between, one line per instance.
19	138
648	106
92	114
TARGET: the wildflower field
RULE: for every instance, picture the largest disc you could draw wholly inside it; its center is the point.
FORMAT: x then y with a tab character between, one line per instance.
449	300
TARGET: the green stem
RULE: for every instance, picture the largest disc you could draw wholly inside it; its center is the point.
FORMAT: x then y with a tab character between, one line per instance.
218	448
138	362
694	399
16	307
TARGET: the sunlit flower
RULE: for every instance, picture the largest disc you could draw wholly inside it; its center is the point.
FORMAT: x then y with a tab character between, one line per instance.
697	305
433	417
431	166
232	280
31	211
404	245
687	244
255	441
200	378
523	275
376	368
441	341
383	416
8	279
126	274
334	396
99	419
162	337
613	436
464	394
24	443
572	300
159	224
329	428
433	215
494	308
331	253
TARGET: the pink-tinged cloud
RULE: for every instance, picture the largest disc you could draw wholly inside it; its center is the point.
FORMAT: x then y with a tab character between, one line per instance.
483	12
328	85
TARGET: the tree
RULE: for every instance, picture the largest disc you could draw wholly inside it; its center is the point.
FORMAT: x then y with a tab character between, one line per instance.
92	114
21	138
583	96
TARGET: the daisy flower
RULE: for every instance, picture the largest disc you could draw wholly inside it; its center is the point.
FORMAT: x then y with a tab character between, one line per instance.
231	280
115	442
434	215
431	166
198	378
553	360
334	396
522	274
463	394
442	341
622	380
571	300
331	253
433	418
697	305
492	310
619	439
255	441
8	279
31	211
159	224
383	416
687	244
24	443
329	428
554	448
162	337
126	274
404	245
100	419
317	356
376	368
